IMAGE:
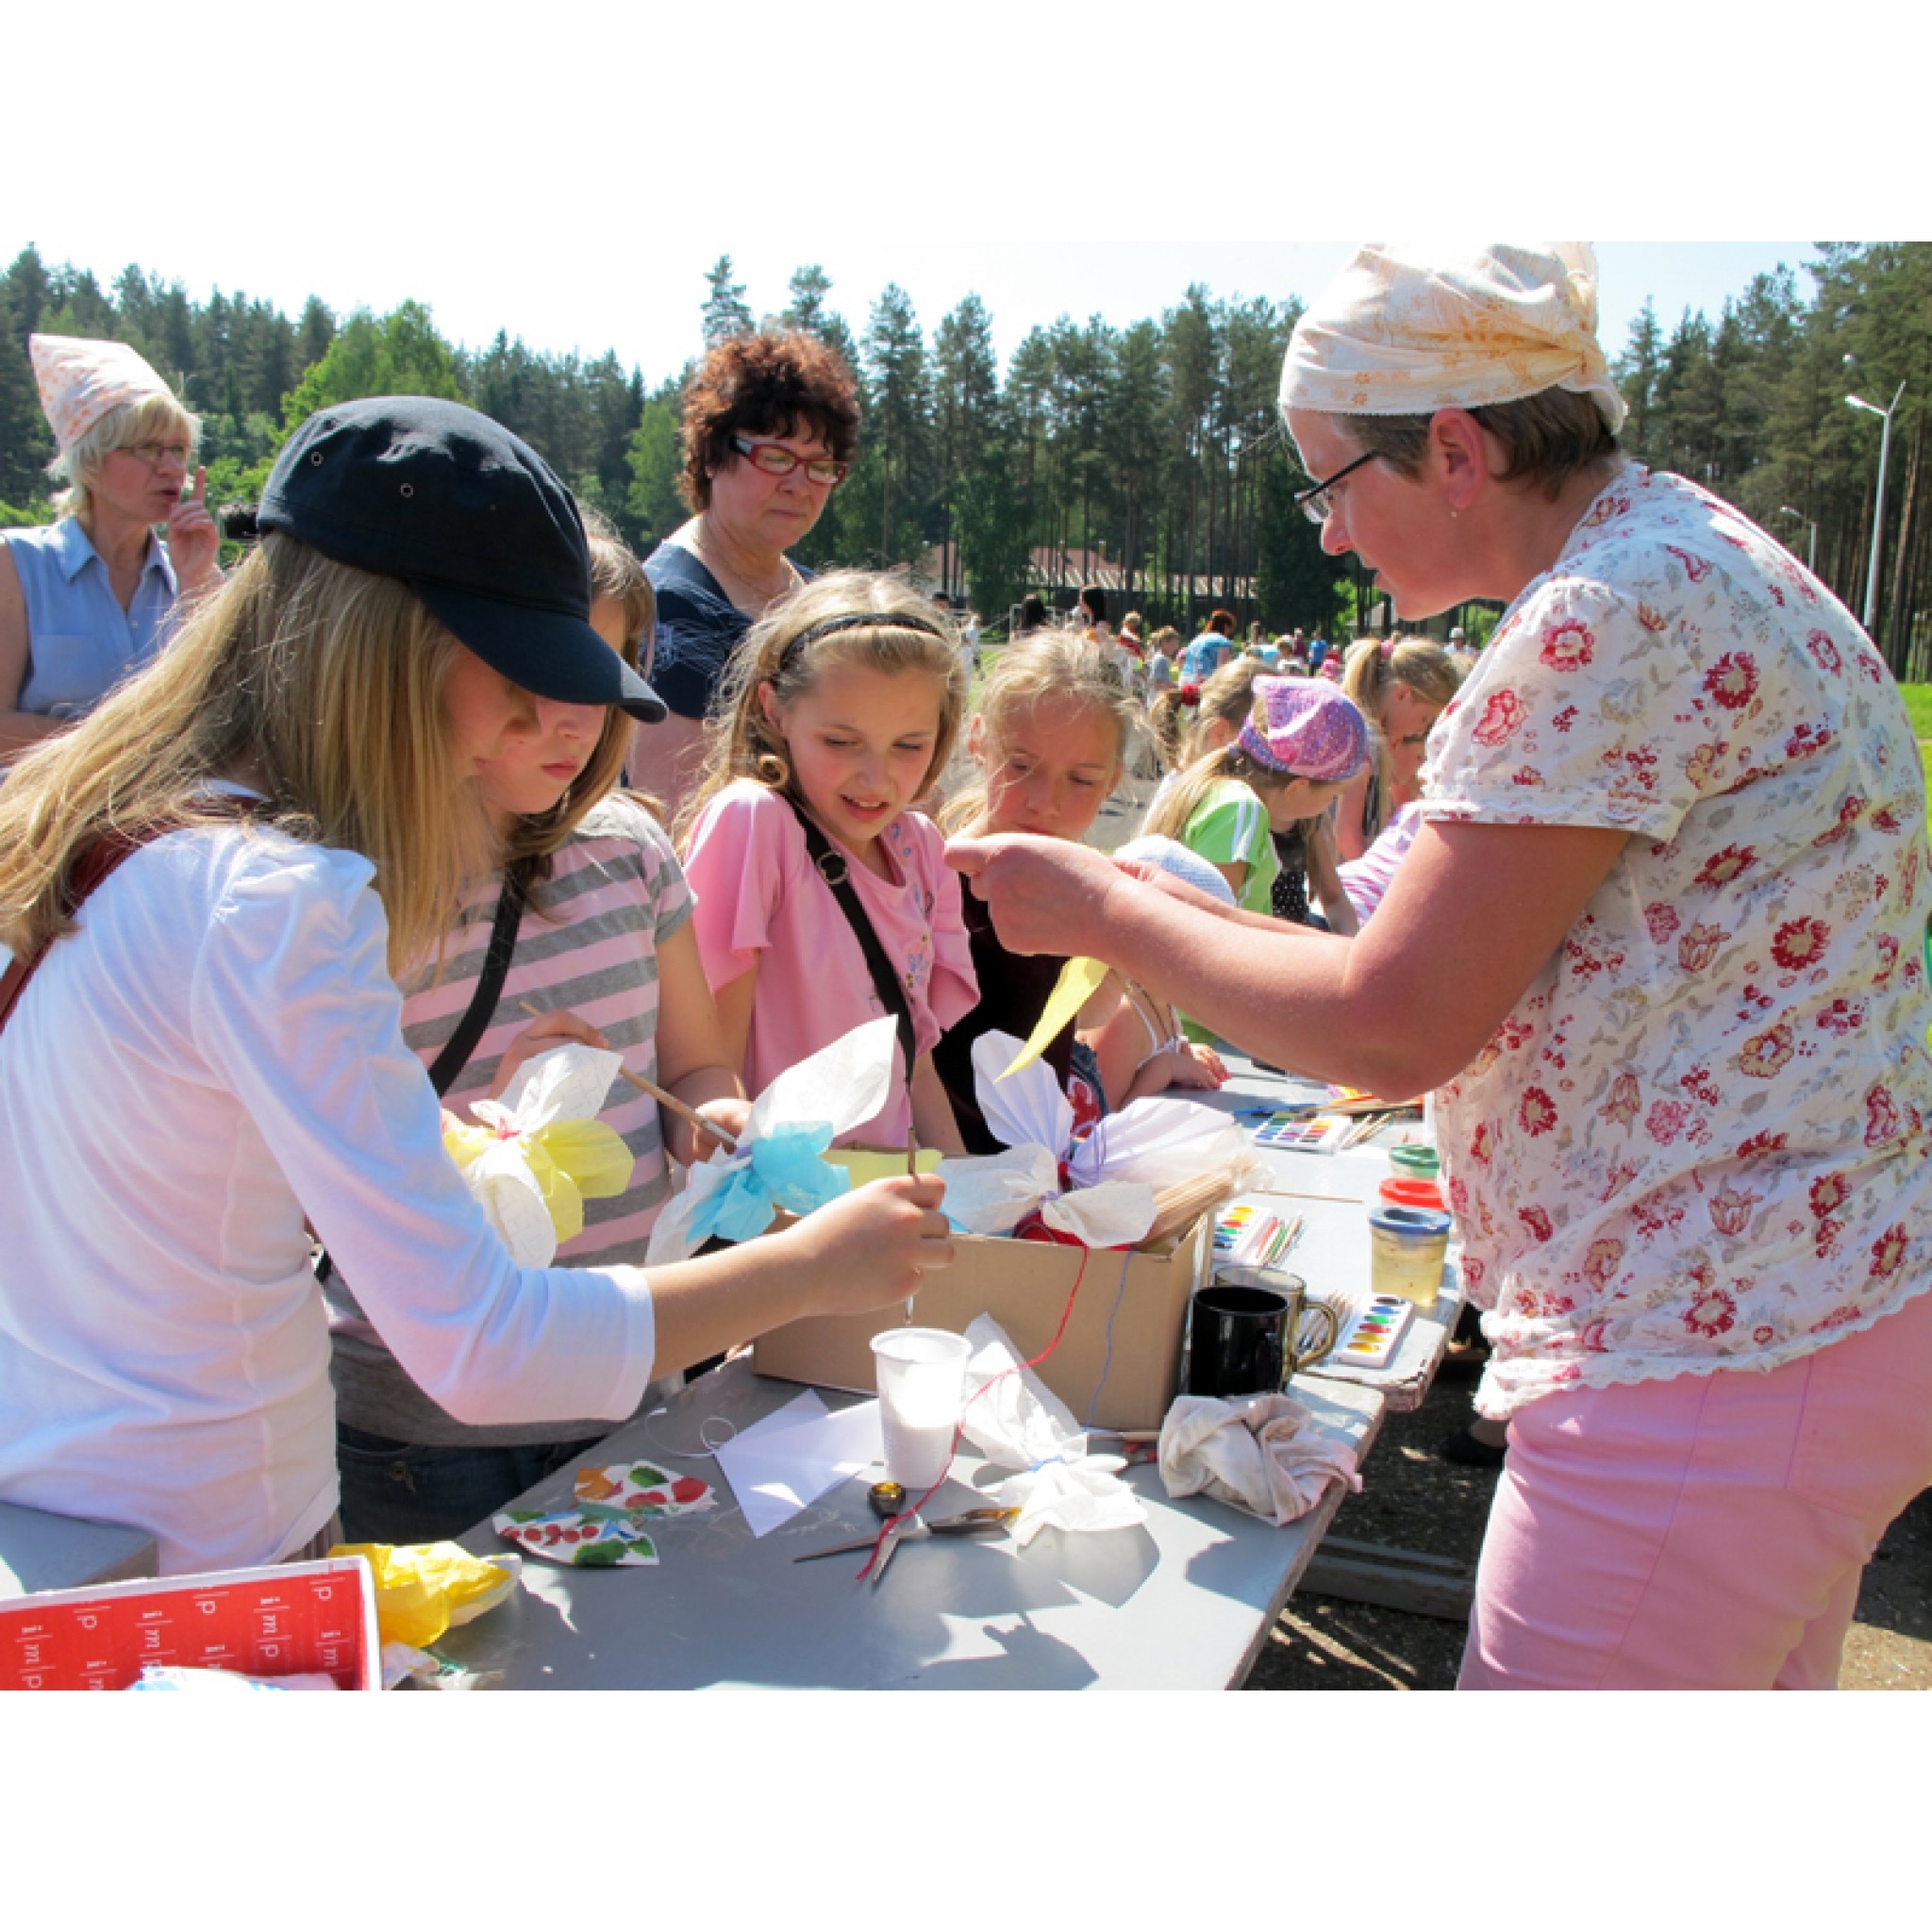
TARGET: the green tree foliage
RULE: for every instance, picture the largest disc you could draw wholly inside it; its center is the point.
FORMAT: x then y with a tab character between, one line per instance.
809	310
966	425
1755	405
898	410
27	445
398	355
725	314
1146	454
655	461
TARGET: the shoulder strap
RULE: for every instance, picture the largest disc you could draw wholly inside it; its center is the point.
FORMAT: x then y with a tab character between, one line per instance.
886	982
458	1048
98	862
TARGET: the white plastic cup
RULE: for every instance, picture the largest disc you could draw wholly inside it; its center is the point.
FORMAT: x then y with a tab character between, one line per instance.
921	1379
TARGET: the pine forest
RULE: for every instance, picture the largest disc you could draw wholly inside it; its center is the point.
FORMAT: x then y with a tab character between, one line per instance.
1146	455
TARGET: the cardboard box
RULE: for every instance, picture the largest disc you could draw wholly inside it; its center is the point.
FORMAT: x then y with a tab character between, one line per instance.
269	1623
1117	1366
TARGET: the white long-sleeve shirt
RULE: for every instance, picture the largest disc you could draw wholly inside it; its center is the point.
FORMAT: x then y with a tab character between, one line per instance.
215	1053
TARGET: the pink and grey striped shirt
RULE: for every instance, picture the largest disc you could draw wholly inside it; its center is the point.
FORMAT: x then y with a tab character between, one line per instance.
589	941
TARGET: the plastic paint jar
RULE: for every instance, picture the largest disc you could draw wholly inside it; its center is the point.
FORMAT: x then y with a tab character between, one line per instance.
1406	1249
1403	1193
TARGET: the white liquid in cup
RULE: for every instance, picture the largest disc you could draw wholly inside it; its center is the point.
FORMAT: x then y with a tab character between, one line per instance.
922	1382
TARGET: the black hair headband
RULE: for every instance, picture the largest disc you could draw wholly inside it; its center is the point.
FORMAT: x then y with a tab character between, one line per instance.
860	619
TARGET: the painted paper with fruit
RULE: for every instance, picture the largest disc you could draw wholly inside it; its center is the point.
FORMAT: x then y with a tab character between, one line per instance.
609	1527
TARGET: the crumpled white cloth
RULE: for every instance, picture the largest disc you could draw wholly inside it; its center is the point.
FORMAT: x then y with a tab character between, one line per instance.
1021	1425
1260	1452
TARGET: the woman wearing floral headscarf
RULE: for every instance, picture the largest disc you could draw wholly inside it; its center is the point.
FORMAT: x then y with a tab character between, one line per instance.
94	597
1656	946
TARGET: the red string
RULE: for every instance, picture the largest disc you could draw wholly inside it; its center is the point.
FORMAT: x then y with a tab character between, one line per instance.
1061	1238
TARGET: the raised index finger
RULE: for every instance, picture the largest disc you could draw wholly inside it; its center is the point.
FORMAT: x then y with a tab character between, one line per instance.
199	494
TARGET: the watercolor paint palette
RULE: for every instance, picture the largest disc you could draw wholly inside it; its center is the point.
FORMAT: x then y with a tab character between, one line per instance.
1369	1339
1304	1133
1251	1233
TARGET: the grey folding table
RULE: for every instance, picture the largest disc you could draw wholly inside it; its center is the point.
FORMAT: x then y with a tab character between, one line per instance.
1185	1602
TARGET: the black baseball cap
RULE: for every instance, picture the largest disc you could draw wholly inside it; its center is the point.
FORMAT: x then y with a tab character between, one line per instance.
474	520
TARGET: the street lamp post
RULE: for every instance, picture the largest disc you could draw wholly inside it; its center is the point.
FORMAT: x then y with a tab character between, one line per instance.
1784	510
1878	509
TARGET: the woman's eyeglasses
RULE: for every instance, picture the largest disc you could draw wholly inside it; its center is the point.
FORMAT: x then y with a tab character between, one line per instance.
774	460
153	454
1315	502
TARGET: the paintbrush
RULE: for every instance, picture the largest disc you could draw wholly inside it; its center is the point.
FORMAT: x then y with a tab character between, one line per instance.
911	1168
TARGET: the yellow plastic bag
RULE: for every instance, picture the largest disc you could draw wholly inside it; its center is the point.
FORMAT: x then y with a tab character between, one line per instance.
422	1590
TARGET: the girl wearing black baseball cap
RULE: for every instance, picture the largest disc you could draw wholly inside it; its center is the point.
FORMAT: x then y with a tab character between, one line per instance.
208	887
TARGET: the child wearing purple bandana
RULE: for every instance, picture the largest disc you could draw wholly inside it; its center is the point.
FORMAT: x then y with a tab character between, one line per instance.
1302	742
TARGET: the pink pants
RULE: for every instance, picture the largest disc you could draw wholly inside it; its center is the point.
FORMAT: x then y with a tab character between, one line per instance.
1708	1532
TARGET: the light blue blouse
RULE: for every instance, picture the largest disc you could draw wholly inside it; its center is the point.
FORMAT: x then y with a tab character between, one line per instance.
79	641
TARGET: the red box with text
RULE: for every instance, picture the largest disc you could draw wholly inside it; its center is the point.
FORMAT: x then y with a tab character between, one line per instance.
267	1623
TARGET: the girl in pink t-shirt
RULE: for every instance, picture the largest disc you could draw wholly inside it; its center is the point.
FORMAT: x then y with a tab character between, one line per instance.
840	708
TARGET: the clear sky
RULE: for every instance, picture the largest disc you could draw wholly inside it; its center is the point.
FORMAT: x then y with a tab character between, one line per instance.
569	173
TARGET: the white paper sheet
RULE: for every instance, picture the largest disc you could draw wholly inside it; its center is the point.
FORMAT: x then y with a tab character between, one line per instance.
795	1455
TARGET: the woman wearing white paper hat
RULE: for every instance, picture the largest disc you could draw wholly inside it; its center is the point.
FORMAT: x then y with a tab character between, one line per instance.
94	597
1672	871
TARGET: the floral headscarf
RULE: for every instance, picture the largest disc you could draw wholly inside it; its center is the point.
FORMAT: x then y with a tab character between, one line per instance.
81	380
1403	333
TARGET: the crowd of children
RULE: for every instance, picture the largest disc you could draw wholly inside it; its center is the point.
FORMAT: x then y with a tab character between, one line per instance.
806	893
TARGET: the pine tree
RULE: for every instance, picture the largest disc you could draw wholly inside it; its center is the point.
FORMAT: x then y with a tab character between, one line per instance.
725	314
26	444
897	381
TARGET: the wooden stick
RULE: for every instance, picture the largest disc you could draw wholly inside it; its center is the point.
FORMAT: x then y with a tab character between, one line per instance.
690	1115
1175	1206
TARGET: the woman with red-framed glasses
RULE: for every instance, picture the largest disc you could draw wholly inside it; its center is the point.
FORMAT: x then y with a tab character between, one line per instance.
771	425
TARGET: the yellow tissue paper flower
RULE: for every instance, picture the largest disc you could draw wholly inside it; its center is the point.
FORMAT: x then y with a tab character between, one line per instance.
570	1160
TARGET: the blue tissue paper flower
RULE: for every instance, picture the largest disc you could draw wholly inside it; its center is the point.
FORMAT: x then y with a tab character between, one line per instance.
784	1170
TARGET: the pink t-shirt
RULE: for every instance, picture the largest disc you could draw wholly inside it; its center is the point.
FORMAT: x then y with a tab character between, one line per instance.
761	902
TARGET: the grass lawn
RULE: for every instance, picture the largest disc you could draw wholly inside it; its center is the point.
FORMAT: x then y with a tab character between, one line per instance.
1919	708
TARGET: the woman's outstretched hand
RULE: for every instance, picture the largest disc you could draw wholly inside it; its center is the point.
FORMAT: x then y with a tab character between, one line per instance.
1046	895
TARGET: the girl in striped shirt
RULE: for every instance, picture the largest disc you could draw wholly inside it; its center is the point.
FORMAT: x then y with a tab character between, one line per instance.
606	953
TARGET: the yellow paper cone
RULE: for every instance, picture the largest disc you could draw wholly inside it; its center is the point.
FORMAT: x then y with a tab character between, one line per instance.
1078	982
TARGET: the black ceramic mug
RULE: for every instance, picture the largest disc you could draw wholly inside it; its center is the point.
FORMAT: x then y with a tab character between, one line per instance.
1237	1337
1240	1333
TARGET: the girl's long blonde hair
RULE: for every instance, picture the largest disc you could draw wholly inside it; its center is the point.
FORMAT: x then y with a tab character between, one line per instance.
1225	698
1044	664
906	634
1373	670
319	682
536	838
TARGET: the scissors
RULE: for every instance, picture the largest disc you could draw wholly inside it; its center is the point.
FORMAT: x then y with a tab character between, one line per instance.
912	1529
